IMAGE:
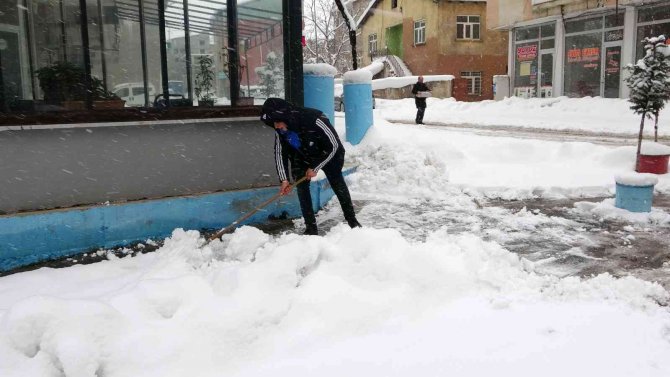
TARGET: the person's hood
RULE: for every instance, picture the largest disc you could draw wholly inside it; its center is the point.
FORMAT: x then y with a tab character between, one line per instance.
276	110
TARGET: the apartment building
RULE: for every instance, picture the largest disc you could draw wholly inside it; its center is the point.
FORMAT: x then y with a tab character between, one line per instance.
437	37
575	48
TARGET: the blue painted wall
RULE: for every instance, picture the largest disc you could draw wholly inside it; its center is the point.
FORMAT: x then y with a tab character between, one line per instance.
38	236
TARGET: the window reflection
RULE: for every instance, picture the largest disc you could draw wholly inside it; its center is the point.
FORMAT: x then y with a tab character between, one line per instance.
42	54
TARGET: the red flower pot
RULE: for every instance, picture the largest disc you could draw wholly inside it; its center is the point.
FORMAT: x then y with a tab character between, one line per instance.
653	164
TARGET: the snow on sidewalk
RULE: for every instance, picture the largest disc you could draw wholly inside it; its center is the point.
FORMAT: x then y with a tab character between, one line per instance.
357	302
592	114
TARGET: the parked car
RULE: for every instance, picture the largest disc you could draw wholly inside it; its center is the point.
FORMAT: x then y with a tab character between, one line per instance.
339	102
133	93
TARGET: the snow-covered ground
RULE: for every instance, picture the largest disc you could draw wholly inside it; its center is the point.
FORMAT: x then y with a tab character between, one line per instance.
387	299
562	113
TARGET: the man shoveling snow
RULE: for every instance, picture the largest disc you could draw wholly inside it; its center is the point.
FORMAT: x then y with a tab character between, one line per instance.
306	139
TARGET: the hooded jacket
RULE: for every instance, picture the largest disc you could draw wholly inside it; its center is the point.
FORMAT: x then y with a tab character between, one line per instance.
318	141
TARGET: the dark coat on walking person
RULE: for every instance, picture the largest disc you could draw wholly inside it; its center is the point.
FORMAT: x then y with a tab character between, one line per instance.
308	142
420	102
420	87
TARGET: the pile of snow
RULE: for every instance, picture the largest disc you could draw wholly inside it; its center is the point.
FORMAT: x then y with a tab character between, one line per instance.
359	76
654	149
375	67
395	82
399	82
407	160
606	210
562	113
405	71
320	69
355	302
636	179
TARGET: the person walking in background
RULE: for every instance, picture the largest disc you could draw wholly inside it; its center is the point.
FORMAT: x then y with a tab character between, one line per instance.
420	91
306	139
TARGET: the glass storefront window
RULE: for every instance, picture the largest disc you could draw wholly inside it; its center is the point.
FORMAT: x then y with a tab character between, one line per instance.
653	14
525	72
547	43
548	30
582	65
527	33
654	21
614	20
578	26
262	51
191	62
533	60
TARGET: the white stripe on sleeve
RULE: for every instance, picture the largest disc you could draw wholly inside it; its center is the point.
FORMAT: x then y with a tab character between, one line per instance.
333	141
279	161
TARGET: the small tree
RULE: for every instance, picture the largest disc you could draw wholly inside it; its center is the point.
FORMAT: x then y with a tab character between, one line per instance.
649	84
204	81
271	76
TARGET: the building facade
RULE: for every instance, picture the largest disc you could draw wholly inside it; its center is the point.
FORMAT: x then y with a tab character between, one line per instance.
437	37
575	48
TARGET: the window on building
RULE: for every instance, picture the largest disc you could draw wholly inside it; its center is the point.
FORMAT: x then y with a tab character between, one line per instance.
394	4
474	82
419	32
467	27
372	43
652	22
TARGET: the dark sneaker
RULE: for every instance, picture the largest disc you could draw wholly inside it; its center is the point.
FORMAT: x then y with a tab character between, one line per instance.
355	224
311	231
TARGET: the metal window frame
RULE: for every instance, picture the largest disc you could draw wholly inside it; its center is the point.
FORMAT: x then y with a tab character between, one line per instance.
372	38
469	23
420	31
474	78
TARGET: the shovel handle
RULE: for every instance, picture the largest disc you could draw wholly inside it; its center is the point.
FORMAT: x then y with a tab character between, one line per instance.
249	214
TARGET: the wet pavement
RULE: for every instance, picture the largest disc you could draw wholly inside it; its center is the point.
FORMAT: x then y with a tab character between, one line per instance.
560	240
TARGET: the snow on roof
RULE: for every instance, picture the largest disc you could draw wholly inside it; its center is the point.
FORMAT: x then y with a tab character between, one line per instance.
401	63
395	82
636	179
399	82
359	76
320	69
654	149
366	12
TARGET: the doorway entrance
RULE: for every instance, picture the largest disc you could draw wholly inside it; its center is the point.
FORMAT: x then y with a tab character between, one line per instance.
546	80
611	74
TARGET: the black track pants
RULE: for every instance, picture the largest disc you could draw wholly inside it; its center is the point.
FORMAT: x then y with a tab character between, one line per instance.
333	171
419	114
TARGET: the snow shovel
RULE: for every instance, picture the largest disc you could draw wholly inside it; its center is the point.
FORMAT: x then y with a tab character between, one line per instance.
249	214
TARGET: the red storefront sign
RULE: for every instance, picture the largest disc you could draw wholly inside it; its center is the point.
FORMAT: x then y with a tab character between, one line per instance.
587	54
527	52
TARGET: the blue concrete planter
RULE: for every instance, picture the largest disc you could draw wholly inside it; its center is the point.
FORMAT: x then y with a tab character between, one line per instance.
320	93
38	236
634	198
358	110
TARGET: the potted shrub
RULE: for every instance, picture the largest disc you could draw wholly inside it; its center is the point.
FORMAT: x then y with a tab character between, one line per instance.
649	84
204	81
63	84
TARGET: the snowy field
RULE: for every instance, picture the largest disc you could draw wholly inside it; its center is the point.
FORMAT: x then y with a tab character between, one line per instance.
562	113
390	299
